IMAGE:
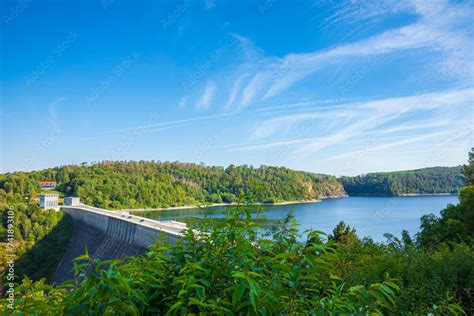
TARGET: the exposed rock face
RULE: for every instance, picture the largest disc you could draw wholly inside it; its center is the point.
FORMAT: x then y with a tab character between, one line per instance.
329	189
325	189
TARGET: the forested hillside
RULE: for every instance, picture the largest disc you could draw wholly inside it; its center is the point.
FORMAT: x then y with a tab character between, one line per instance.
145	184
435	180
37	238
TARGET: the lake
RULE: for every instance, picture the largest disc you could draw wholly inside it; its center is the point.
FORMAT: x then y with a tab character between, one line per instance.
371	216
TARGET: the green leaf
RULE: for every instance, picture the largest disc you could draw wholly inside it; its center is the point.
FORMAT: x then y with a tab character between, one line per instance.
175	306
252	300
239	291
239	275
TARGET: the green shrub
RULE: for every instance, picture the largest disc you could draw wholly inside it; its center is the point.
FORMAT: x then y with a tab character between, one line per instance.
428	281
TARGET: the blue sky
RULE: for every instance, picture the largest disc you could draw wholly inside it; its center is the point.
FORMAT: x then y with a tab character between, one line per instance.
337	87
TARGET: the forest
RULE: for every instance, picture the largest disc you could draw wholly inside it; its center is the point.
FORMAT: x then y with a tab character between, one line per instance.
436	180
40	236
150	184
234	266
40	239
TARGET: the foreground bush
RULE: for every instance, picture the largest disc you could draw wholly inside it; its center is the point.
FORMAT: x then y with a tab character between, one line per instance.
230	267
438	282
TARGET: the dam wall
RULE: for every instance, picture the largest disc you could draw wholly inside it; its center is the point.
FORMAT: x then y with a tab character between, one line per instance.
111	235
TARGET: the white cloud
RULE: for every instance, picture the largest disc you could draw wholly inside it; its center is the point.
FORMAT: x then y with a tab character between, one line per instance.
343	134
267	145
411	127
52	108
442	30
235	91
205	101
168	123
182	102
360	120
423	34
252	92
403	141
357	11
378	109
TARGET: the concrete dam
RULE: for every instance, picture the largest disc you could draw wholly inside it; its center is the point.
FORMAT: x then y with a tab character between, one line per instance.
111	235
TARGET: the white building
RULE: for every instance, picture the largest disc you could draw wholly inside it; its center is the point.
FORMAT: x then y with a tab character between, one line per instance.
49	201
72	201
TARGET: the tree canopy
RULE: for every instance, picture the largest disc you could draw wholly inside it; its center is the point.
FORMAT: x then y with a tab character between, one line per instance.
149	184
437	180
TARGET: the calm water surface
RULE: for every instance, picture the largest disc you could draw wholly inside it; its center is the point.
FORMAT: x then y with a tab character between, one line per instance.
371	216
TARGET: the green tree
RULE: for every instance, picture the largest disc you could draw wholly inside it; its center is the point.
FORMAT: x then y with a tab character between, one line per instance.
422	181
469	169
343	234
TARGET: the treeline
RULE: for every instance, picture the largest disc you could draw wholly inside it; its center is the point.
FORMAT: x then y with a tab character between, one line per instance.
146	184
149	184
40	236
437	180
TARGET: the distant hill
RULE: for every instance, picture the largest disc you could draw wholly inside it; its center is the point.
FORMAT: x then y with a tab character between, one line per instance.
149	184
436	180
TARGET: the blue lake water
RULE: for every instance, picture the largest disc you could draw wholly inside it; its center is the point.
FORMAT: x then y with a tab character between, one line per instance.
371	216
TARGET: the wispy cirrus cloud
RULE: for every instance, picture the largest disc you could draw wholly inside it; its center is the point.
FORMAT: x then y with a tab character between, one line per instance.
361	120
205	101
397	143
235	91
353	12
420	126
183	102
442	30
169	123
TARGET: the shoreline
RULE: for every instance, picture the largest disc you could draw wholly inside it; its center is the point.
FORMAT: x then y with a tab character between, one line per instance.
185	207
426	194
405	195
